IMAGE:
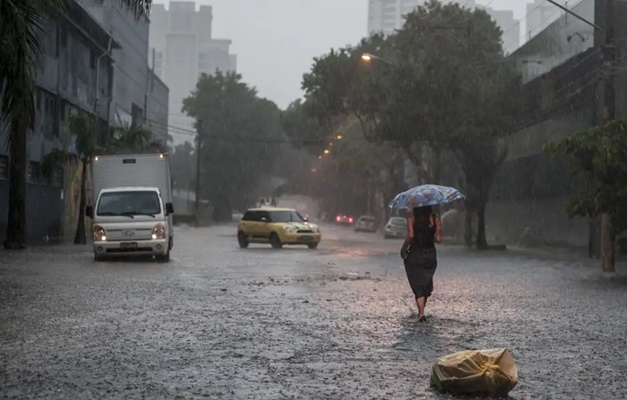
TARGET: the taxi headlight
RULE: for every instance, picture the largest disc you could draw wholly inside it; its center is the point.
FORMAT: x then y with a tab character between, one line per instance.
158	231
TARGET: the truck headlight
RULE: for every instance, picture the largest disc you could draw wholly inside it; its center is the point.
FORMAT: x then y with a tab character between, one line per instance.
99	234
158	231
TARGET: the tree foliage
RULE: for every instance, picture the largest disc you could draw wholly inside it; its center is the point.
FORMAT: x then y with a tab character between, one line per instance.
240	136
440	84
184	166
600	155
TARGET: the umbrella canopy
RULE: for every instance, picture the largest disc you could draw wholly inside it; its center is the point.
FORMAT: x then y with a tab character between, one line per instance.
426	195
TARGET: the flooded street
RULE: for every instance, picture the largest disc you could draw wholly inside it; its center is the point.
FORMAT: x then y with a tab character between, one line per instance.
334	323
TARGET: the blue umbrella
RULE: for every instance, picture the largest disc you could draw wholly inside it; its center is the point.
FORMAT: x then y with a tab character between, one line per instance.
426	195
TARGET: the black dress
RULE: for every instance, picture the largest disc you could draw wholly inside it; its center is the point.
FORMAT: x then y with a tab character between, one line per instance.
421	261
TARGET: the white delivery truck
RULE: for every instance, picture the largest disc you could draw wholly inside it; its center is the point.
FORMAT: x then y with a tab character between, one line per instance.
132	205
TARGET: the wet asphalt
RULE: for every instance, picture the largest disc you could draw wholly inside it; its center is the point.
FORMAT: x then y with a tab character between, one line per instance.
336	323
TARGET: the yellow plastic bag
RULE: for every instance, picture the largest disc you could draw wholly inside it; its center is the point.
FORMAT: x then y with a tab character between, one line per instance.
476	372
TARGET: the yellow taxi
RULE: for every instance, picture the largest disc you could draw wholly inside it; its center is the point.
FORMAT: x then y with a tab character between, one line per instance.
278	227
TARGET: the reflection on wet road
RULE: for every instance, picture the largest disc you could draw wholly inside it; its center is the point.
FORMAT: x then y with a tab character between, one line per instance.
334	323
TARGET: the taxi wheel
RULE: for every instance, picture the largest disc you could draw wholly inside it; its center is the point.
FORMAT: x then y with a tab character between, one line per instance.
242	240
312	246
275	241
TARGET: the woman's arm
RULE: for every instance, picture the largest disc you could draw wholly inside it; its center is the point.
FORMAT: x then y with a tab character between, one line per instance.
438	229
409	237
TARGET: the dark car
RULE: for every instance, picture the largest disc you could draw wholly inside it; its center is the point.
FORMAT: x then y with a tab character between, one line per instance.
344	219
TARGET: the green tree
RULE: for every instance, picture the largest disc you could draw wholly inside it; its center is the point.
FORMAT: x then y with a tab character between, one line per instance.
600	155
91	137
184	166
21	25
240	137
442	85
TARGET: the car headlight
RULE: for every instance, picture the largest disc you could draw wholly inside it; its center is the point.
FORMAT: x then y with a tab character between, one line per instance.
99	234
158	231
289	229
315	229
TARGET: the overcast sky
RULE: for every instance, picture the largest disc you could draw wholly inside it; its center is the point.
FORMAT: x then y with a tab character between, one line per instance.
276	40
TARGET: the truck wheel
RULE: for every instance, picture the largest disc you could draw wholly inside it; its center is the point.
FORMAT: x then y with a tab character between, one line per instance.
275	241
312	246
164	257
242	240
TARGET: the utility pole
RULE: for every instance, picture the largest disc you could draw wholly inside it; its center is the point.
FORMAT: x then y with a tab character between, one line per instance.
608	245
199	127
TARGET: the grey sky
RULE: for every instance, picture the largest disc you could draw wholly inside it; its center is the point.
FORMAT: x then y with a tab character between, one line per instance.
276	40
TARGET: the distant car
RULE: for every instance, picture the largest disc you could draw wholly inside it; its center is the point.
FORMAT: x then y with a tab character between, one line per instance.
366	223
344	219
395	228
236	215
278	227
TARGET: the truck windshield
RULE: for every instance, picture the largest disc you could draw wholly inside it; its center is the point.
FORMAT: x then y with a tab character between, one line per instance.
129	203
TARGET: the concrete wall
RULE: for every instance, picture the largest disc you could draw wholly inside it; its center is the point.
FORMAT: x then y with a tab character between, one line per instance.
558	43
531	190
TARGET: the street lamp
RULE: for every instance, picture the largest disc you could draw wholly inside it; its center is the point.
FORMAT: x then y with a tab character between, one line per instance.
339	137
327	151
369	57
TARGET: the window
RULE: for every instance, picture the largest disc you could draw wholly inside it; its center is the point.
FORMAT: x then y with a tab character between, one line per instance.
4	167
57	178
285	216
129	203
137	115
35	173
250	216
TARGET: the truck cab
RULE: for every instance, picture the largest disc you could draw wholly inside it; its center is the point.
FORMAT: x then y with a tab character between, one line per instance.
131	220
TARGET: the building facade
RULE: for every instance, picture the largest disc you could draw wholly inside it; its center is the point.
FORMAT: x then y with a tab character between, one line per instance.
75	76
184	48
135	87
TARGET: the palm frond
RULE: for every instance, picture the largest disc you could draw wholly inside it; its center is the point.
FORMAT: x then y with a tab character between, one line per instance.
20	49
139	8
57	159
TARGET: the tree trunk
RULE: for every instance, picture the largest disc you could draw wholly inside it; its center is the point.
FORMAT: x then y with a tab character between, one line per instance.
482	242
79	238
437	167
222	211
608	244
468	224
18	172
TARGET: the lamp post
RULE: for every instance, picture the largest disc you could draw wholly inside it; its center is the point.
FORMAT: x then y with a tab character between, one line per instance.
199	127
369	57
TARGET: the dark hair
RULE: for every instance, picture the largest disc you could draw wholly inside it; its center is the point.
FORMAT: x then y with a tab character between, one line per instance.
423	212
422	215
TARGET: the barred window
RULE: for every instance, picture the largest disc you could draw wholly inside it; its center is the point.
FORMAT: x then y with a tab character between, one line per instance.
4	167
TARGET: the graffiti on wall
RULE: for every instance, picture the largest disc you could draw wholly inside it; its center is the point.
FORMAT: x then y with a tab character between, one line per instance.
72	197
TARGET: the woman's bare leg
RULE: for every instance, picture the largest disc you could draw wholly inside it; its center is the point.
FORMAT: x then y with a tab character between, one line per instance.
421	301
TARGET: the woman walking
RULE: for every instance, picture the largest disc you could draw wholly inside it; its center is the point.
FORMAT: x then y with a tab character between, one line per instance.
424	229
